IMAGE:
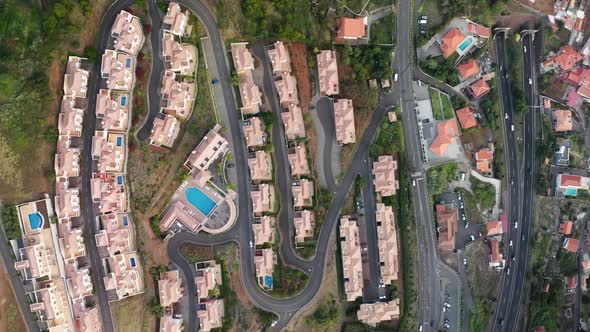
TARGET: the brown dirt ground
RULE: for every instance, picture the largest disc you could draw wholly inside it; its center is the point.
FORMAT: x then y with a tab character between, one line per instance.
10	317
298	53
544	6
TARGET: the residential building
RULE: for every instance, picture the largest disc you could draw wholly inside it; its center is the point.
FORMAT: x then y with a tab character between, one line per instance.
562	152
484	159
211	148
108	193
447	134
468	69
178	58
497	260
374	313
50	303
568	185
286	86
279	58
561	120
67	160
37	259
387	243
302	193
112	110
446	216
344	118
479	89
351	258
210	315
78	281
127	32
118	69
243	60
88	319
177	97
71	242
176	21
254	130
351	29
264	261
494	228
116	234
207	278
328	72
298	161
304	222
571	283
264	230
478	29
566	227
384	169
125	277
67	200
570	244
293	121
466	117
165	131
76	78
392	116
263	199
251	97
567	58
450	41
170	290
260	165
170	324
109	149
70	119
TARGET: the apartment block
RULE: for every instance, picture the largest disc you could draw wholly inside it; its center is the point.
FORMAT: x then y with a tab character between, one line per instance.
351	258
127	32
165	131
344	118
293	121
298	161
112	110
304	222
384	169
50	303
328	72
260	165
387	243
375	313
211	148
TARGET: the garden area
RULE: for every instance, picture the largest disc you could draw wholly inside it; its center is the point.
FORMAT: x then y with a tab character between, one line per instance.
389	139
441	105
438	177
287	282
10	222
442	69
485	193
383	30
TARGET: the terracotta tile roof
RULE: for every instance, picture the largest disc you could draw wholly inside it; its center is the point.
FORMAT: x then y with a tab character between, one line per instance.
450	41
260	166
466	117
566	227
179	58
210	315
484	158
263	199
494	228
446	216
375	313
264	230
298	161
176	21
387	243
211	147
570	244
303	191
350	28
570	180
243	60
447	132
479	30
384	169
571	282
293	121
468	69
169	289
496	256
304	222
279	58
165	131
344	118
328	72
254	130
208	277
568	57
479	88
352	266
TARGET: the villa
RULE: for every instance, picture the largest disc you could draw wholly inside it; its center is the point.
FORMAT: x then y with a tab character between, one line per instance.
251	97
565	59
118	69
71	242
243	60
178	58
561	120
351	30
328	72
344	118
450	41
50	302
88	319
479	89
570	244
494	228
210	315
127	32
384	175
387	243
177	97
165	131
37	259
112	110
352	266
566	227
126	275
461	37
375	313
484	159
176	21
76	78
304	222
279	58
264	230
286	86
446	216
496	258
302	193
207	279
293	121
110	150
116	234
79	282
298	161
67	200
171	324
468	69
254	130
108	192
568	185
170	290
263	199
447	134
70	118
264	261
211	148
466	117
260	165
67	160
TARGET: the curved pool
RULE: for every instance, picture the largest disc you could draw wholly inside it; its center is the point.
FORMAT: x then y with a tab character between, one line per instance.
35	220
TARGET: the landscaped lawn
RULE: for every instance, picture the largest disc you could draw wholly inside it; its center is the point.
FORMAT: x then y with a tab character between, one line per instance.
436	108
447	107
383	30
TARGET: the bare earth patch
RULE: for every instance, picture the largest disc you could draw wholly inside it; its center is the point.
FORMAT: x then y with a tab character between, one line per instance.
10	317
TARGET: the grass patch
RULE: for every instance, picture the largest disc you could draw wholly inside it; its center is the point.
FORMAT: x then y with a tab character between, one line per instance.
389	139
447	108
287	282
471	208
10	222
383	31
438	177
485	193
435	101
441	68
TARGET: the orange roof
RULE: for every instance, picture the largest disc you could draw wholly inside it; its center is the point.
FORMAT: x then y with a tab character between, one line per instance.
570	180
562	120
567	58
496	256
350	28
546	102
494	228
468	69
484	154
466	117
570	244
450	41
566	227
479	30
479	88
447	131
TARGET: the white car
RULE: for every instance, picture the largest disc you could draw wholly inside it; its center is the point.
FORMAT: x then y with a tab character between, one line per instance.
413	183
472	238
506	116
464	261
511	243
525	49
530	81
516	225
251	245
395	77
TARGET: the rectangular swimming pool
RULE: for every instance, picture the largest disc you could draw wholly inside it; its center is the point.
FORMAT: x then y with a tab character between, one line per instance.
571	192
123	100
465	43
119	141
199	200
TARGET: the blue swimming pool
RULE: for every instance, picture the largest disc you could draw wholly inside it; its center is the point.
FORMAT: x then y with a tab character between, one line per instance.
123	100
199	200
268	281
125	222
119	141
132	261
35	220
465	43
571	192
128	63
119	179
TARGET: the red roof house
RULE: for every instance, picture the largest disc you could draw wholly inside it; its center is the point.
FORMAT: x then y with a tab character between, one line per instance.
446	216
484	159
479	30
494	227
571	283
450	41
570	244
466	117
479	89
568	180
568	57
447	132
468	69
350	29
566	227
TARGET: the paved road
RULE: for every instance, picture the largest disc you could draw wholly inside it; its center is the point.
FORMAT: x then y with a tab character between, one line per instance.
325	111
